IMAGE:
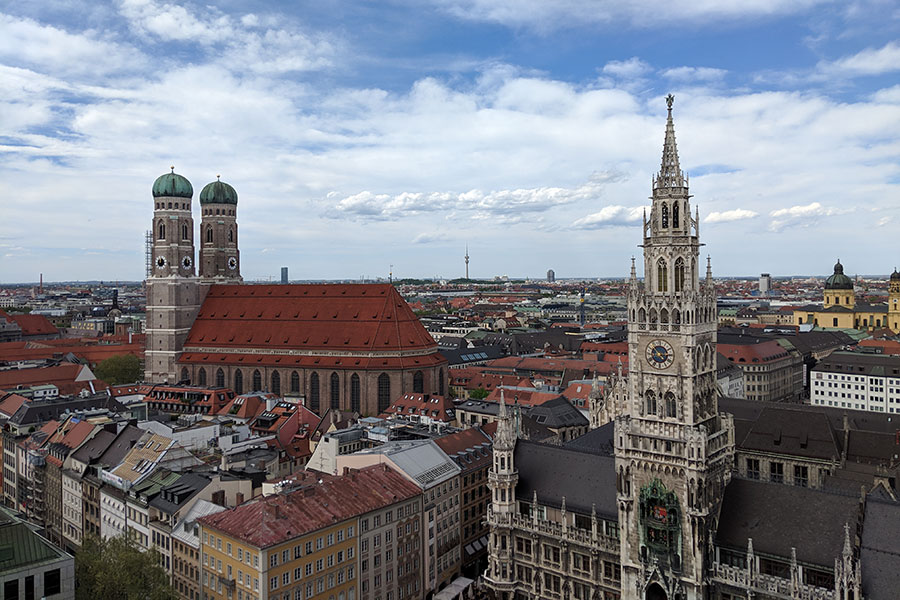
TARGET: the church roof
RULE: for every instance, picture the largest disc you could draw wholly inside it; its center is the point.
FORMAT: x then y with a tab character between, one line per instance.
298	324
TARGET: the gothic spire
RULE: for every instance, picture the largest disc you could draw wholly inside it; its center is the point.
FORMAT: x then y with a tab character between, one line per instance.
670	174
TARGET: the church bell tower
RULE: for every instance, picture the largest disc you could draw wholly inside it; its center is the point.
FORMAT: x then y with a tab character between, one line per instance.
674	451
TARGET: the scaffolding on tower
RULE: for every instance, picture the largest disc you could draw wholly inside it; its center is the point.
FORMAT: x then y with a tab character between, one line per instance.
148	252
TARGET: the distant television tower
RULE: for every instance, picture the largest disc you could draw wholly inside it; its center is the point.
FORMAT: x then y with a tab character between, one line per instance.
467	261
581	308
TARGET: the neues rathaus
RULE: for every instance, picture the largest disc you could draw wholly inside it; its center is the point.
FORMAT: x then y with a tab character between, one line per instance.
650	504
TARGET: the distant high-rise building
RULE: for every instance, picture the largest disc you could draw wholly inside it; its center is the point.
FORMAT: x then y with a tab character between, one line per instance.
551	276
467	261
765	284
284	274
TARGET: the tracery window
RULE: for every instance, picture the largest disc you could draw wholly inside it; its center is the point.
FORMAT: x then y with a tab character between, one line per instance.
335	391
384	392
314	392
665	215
354	393
679	275
662	276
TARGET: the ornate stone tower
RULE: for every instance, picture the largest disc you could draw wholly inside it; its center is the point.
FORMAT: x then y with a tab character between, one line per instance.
173	293
502	482
219	256
674	450
894	303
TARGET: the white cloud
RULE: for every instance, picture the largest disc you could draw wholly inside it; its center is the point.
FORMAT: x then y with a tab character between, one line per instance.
611	216
626	69
871	61
694	74
802	215
884	221
727	216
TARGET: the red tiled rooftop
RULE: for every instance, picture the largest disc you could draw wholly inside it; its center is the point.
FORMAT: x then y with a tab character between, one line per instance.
281	517
34	324
752	353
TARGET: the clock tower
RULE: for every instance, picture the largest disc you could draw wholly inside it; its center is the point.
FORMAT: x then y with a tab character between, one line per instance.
674	450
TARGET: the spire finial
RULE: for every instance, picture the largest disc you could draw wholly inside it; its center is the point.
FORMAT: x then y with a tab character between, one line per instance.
173	169
670	100
670	174
218	177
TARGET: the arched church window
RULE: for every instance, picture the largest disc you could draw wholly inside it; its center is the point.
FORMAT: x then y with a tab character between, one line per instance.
184	375
295	382
650	402
276	383
201	376
676	319
209	234
418	382
441	380
257	380
314	393
335	391
184	231
663	317
162	230
384	392
354	393
231	235
220	378
670	404
675	215
653	318
238	382
679	275
642	315
662	276
665	215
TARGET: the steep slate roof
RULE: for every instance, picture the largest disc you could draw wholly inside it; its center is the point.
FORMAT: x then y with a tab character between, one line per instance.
796	432
880	549
779	517
309	320
598	441
281	517
557	413
587	479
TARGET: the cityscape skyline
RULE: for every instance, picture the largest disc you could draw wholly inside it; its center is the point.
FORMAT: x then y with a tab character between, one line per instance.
359	138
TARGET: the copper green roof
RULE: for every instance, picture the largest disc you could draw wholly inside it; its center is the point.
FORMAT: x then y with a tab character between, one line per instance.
21	548
172	184
218	192
838	281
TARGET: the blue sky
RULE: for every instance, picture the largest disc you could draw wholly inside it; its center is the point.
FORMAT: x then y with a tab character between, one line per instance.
361	135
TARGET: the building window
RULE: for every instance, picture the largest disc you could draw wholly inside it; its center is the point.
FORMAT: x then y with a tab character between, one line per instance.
162	231
209	234
665	215
776	472
662	276
276	383
354	393
801	475
220	378
257	380
295	382
650	399
753	468
335	391
314	392
679	269
670	404
201	376
184	375
238	382
418	383
440	382
675	215
384	392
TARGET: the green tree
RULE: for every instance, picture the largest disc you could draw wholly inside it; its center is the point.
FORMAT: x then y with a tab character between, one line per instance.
122	368
116	569
478	394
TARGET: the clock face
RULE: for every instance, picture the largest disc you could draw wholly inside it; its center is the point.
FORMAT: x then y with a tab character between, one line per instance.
232	263
660	354
186	262
161	262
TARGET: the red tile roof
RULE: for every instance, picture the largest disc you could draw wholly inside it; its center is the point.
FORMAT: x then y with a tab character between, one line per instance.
437	408
281	517
462	440
11	403
34	324
62	376
325	318
753	353
528	397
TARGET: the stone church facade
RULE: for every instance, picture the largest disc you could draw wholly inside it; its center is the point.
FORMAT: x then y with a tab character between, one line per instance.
645	506
353	347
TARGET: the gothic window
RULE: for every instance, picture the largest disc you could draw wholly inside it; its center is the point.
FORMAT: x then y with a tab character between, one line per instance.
676	317
652	318
314	392
257	380
665	215
384	392
201	376
418	382
238	382
335	391
295	382
663	317
276	383
162	230
184	231
184	374
441	381
675	215
220	378
231	235
650	401
642	316
670	404
679	275
209	234
662	276
354	393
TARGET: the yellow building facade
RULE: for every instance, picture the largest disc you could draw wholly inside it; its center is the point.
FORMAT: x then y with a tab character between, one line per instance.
840	309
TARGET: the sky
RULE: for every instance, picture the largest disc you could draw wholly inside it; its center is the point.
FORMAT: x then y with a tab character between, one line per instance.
365	137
